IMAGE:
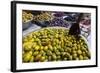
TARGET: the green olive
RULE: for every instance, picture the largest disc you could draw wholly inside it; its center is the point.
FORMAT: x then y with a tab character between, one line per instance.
41	47
69	50
49	52
42	59
88	54
63	53
27	46
61	49
73	48
45	48
57	53
35	53
79	52
67	54
54	57
70	57
27	56
74	52
85	58
37	48
83	53
50	47
83	49
65	58
32	59
38	57
59	57
49	58
41	52
81	57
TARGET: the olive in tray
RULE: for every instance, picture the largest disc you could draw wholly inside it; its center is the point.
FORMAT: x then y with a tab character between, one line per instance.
58	14
53	44
59	22
42	19
44	16
26	19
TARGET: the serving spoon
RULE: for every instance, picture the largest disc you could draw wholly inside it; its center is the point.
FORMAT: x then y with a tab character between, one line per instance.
75	29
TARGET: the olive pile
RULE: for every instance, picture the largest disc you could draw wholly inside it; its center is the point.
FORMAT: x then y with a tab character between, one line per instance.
44	16
26	17
59	22
59	14
52	44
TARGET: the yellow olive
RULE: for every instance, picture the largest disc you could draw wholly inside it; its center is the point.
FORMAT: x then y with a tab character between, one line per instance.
57	53
69	50
27	46
41	47
45	48
80	57
50	47
54	57
49	58
58	57
32	40
88	54
56	36
61	49
79	52
85	58
49	52
27	56
25	40
83	49
42	58
32	59
34	44
37	48
63	53
35	53
76	58
73	48
38	57
70	57
65	58
83	53
67	54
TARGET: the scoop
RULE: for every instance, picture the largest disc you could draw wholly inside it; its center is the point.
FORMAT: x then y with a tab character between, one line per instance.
75	29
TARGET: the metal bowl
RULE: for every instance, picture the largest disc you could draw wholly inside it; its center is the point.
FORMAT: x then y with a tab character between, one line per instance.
26	25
